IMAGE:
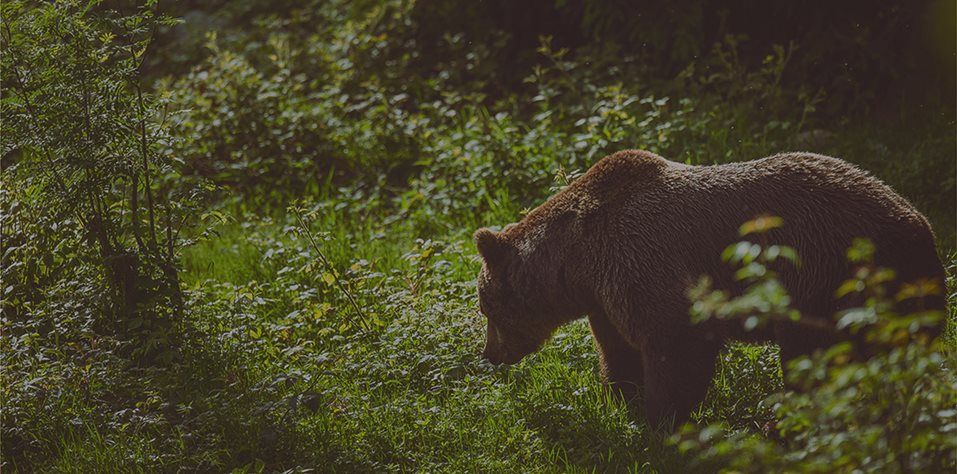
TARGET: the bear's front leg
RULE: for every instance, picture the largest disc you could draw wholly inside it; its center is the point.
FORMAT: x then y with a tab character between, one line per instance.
678	371
621	365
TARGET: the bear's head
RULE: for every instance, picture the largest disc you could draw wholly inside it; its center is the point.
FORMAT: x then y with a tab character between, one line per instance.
519	295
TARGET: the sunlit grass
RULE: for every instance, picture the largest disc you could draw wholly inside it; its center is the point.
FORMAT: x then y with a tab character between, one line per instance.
419	395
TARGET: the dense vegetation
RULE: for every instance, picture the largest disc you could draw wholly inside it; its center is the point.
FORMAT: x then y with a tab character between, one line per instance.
236	235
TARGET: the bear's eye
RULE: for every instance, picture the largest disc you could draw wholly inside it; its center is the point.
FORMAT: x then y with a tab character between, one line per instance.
485	302
490	308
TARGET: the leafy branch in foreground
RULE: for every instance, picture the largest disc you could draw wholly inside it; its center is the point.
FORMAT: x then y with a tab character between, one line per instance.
892	412
765	299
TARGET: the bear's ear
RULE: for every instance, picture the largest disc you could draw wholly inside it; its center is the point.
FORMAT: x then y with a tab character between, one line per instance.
491	246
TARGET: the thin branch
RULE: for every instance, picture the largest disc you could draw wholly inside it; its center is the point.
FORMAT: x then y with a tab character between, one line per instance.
134	209
182	223
144	149
169	231
325	262
144	141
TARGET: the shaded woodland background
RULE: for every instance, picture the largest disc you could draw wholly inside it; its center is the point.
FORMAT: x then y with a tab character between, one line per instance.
869	56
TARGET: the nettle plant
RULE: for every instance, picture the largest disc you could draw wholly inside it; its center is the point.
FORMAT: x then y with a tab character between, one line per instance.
890	412
92	188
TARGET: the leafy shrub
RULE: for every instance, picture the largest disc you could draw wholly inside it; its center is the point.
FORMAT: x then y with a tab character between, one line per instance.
891	412
289	113
94	179
286	116
92	217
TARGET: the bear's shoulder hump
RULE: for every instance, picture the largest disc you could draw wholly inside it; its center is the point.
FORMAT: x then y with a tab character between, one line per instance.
629	163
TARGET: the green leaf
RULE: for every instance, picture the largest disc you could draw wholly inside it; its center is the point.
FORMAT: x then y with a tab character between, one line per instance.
848	287
760	225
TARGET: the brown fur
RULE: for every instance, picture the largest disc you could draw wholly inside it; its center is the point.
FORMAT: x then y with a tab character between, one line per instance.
623	243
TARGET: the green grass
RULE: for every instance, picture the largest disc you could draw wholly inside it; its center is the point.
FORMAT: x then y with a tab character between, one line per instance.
361	352
276	372
415	395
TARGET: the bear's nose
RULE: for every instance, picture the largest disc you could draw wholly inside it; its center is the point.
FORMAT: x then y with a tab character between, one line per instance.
491	354
493	351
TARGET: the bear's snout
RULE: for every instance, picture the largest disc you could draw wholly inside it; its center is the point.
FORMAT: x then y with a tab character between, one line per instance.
495	351
498	356
492	356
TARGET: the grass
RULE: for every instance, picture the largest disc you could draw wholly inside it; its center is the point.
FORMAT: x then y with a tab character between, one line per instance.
415	395
278	373
367	357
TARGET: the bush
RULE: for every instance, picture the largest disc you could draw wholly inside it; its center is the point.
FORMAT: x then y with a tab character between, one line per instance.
93	210
893	412
92	164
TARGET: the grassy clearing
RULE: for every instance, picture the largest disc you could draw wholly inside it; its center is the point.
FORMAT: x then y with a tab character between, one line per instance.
278	373
416	395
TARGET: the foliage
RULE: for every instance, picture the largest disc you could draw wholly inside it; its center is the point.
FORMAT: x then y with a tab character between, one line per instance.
93	210
764	300
91	174
858	56
328	318
277	118
890	412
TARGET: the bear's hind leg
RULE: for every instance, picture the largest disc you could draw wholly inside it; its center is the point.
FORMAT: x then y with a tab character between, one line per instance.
621	365
678	372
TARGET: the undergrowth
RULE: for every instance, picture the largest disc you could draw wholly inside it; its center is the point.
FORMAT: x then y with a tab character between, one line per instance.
342	333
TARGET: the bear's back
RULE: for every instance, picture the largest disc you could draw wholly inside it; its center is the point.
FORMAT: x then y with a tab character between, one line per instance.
811	189
826	194
673	221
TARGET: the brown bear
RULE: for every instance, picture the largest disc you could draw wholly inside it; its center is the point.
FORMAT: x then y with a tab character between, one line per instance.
623	243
